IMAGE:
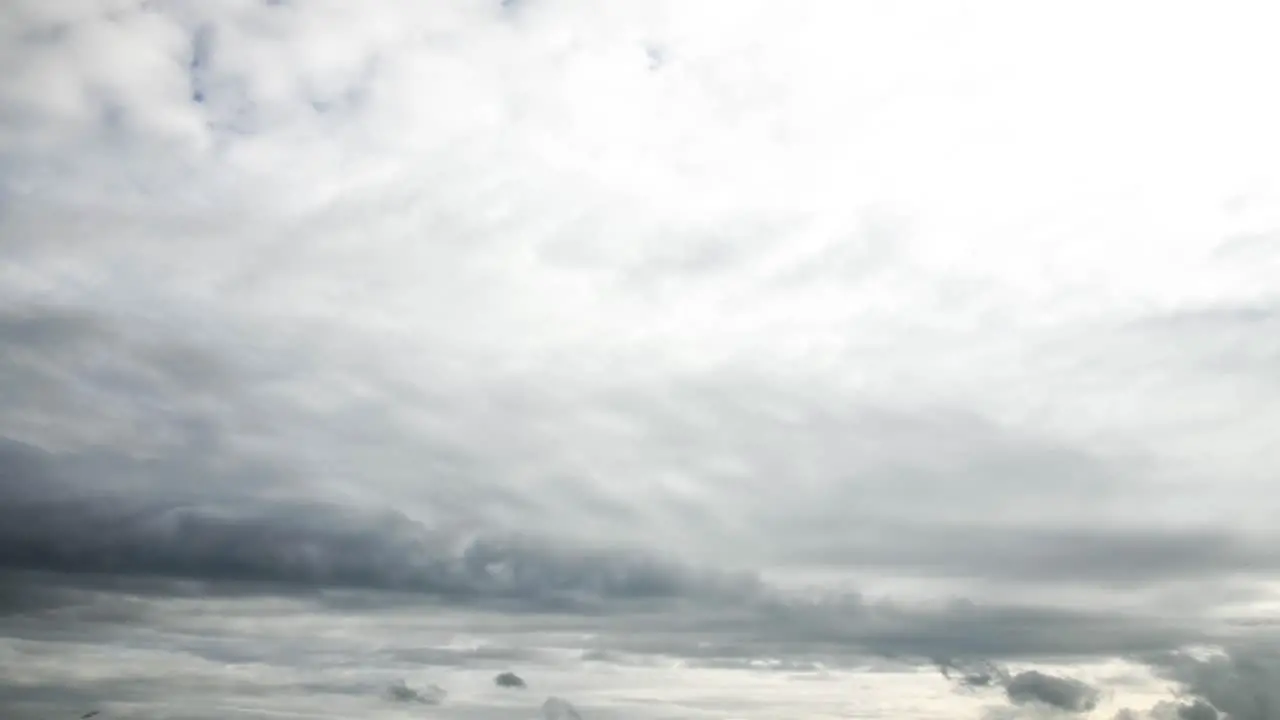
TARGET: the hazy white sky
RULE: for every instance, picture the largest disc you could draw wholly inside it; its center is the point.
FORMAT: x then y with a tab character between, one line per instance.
689	359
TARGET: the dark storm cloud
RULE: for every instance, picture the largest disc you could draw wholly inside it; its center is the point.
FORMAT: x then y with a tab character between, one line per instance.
509	680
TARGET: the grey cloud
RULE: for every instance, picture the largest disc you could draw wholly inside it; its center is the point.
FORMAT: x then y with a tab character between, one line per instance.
1027	687
1062	693
272	270
213	404
842	628
1171	710
512	680
974	675
70	602
149	690
781	665
278	548
1197	710
34	329
1240	681
315	545
232	538
39	701
430	695
1115	557
223	532
1243	683
88	379
892	458
459	657
559	709
872	472
833	523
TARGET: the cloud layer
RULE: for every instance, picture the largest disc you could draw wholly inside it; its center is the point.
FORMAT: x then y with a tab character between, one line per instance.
764	347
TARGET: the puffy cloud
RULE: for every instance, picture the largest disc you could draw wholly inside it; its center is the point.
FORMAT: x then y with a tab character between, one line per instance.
511	680
1242	683
1033	686
1238	681
431	695
1029	687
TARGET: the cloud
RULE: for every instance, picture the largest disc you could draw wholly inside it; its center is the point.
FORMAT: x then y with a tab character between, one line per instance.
313	545
648	330
400	692
1171	710
1197	710
1239	680
289	546
1033	686
1027	687
512	680
1242	683
975	675
559	709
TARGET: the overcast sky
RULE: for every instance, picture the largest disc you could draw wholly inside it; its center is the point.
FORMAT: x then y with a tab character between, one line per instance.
680	358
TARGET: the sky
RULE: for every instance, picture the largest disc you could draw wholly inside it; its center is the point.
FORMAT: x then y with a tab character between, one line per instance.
639	359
